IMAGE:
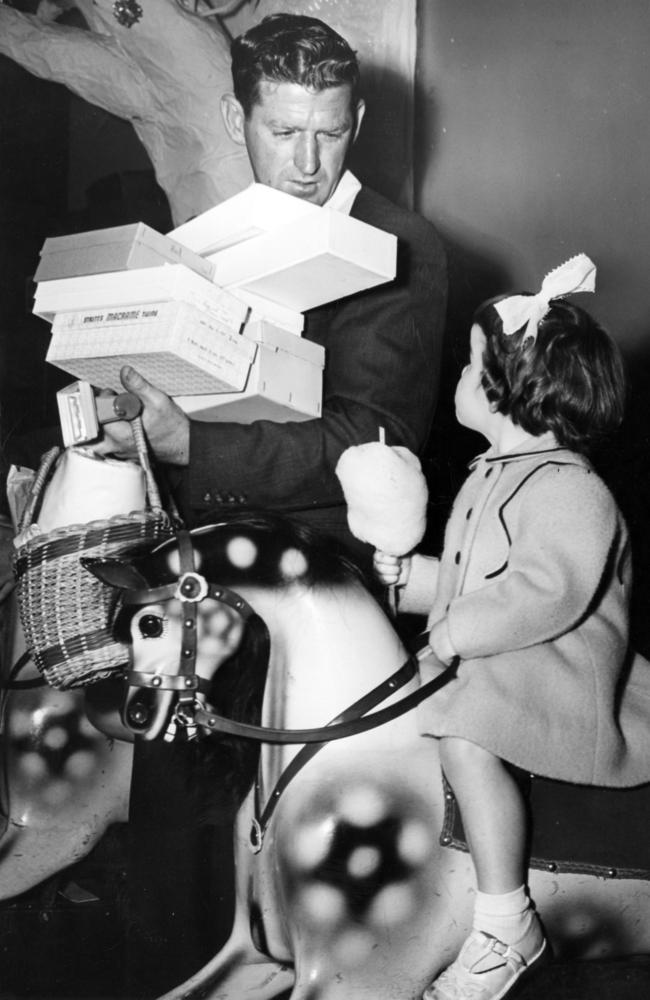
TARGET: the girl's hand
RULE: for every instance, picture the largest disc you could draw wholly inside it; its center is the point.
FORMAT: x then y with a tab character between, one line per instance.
391	570
440	642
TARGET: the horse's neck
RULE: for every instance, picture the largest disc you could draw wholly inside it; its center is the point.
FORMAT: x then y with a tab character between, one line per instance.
329	646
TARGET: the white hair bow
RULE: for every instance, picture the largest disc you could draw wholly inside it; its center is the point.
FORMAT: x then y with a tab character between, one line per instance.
576	275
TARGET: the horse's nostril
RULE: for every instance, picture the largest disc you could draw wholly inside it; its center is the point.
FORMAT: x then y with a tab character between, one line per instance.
138	714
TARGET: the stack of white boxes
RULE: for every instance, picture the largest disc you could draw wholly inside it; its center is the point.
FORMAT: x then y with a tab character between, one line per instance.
211	313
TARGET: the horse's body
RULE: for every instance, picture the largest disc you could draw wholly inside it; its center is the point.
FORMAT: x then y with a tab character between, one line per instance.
351	894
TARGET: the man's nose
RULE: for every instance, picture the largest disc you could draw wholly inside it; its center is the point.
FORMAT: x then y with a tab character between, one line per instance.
307	157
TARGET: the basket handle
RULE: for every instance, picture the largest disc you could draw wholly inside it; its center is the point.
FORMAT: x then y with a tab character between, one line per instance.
143	457
48	462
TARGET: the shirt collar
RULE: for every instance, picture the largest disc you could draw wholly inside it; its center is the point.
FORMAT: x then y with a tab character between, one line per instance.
342	198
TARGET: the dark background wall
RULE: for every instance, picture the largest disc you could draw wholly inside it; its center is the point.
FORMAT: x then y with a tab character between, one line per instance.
534	140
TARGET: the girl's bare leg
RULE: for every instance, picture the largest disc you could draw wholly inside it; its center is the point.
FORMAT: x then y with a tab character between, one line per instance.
493	812
507	937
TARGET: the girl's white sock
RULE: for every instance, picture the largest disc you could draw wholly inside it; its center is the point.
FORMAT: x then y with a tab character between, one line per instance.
507	916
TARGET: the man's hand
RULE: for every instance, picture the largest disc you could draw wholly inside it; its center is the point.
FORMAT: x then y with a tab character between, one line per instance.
166	426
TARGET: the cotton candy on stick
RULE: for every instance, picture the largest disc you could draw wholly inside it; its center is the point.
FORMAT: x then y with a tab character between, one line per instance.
386	494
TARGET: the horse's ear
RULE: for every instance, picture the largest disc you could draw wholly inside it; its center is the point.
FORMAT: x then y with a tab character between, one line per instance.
115	573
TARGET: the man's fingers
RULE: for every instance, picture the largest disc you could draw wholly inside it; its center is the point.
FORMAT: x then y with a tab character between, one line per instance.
133	381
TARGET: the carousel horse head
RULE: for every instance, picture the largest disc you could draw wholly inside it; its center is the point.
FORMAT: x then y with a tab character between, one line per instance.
181	613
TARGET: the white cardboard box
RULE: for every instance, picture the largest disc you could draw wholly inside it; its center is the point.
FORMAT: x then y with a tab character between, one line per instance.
285	382
118	290
309	261
114	249
255	210
175	345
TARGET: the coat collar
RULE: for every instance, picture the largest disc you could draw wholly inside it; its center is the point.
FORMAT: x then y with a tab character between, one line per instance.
545	446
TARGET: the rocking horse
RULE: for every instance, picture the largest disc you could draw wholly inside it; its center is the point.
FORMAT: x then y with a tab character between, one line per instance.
344	888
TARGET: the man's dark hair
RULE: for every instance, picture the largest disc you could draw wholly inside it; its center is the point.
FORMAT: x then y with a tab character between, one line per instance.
291	48
569	380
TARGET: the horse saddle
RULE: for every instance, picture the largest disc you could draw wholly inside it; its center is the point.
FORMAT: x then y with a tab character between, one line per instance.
576	828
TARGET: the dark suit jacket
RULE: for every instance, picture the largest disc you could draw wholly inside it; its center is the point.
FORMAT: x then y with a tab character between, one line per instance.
382	363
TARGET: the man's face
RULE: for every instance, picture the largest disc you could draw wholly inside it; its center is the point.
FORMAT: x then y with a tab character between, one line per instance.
297	139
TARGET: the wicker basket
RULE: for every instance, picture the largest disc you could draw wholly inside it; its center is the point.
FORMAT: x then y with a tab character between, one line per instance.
65	611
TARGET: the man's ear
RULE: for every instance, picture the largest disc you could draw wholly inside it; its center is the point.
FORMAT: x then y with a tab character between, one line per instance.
233	118
361	110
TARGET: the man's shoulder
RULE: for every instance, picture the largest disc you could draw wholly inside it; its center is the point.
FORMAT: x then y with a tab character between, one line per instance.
375	209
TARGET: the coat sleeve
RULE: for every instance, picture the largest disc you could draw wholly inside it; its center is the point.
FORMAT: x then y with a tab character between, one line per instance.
381	370
565	535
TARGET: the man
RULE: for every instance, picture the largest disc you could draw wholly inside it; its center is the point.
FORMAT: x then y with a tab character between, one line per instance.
296	107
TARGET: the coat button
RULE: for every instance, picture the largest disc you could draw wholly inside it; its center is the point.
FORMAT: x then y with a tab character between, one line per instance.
457	558
207	498
468	514
218	498
489	472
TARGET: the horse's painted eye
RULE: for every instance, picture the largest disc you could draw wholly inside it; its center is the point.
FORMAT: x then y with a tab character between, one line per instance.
151	626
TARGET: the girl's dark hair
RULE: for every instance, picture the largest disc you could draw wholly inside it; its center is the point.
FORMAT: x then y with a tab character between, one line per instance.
570	380
291	48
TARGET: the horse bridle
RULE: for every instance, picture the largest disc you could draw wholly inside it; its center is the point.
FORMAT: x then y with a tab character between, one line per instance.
190	589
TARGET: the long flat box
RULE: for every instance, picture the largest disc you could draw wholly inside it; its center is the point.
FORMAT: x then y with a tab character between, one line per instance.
309	261
175	345
255	210
121	289
284	384
115	249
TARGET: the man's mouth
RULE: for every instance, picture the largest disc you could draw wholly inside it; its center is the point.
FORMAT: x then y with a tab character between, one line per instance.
304	185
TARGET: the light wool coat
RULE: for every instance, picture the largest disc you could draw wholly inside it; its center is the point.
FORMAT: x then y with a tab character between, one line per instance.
534	583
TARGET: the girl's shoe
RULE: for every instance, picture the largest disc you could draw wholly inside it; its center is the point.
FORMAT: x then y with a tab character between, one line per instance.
486	968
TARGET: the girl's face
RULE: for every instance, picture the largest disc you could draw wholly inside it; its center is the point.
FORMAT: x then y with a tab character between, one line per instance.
472	406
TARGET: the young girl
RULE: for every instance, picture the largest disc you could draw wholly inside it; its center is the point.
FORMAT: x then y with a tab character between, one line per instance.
530	597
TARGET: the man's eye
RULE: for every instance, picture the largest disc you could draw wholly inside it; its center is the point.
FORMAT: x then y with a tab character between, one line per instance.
151	626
